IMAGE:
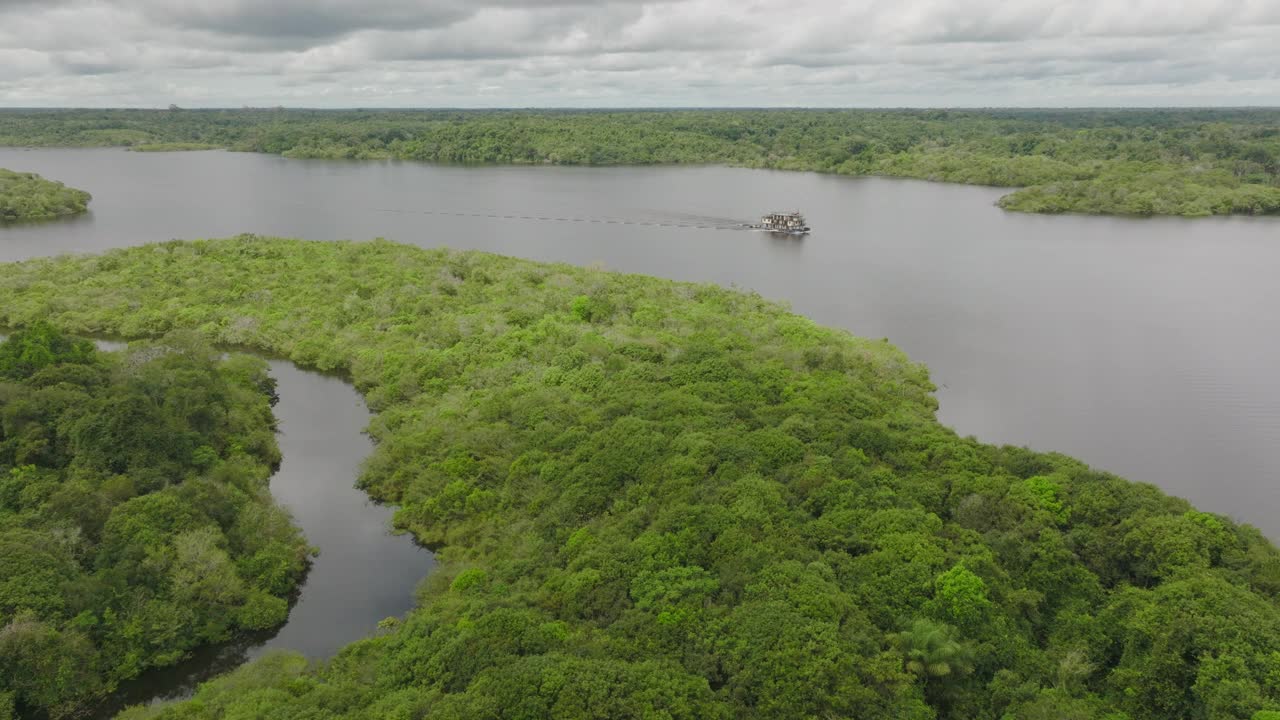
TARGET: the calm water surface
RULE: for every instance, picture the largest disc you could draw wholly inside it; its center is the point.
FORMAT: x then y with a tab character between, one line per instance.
1144	347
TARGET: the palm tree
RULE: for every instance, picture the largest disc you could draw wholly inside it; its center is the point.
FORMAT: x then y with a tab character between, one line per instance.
931	650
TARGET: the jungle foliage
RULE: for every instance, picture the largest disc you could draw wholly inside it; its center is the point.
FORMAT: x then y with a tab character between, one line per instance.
653	499
135	521
27	196
1142	162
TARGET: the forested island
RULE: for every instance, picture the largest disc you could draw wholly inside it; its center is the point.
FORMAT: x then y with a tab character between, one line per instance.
135	520
27	196
653	499
1138	162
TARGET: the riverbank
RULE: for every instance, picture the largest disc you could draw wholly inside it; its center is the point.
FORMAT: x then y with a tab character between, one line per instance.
1190	163
362	574
1000	305
26	197
135	517
359	574
672	498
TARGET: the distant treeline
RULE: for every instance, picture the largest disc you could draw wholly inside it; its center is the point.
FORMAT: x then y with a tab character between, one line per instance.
1142	162
27	196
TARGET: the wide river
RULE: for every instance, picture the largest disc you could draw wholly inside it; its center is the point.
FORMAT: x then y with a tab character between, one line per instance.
1144	347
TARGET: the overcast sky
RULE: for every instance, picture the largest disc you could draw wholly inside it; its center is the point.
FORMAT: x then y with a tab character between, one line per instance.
507	53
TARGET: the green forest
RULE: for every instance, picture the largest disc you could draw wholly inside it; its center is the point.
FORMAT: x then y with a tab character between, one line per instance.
1131	162
135	521
27	196
653	499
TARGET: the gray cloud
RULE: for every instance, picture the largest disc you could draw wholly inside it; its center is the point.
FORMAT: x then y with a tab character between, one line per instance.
316	19
638	52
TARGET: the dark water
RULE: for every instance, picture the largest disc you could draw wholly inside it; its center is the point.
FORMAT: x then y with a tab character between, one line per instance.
1144	347
362	575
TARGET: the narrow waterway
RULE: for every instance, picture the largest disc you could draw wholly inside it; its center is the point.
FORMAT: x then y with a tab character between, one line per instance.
363	573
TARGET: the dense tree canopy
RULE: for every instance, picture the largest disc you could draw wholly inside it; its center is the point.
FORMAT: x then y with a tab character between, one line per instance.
1142	162
27	196
663	500
135	522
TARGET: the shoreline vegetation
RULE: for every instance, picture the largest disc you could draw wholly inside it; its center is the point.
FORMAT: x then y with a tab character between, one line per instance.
136	523
27	197
1193	162
173	147
661	499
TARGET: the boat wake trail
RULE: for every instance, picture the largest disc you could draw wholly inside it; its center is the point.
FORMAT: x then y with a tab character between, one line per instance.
706	219
691	222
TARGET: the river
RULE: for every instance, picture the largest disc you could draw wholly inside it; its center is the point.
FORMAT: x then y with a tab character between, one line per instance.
1139	345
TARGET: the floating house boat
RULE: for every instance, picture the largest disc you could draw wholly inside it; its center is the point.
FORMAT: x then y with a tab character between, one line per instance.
792	223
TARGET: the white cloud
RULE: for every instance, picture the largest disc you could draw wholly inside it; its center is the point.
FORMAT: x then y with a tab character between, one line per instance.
638	53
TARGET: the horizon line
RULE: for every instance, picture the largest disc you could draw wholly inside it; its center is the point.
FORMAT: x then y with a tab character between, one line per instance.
634	108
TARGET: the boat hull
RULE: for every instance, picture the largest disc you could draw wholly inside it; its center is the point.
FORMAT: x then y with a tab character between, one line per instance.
779	231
